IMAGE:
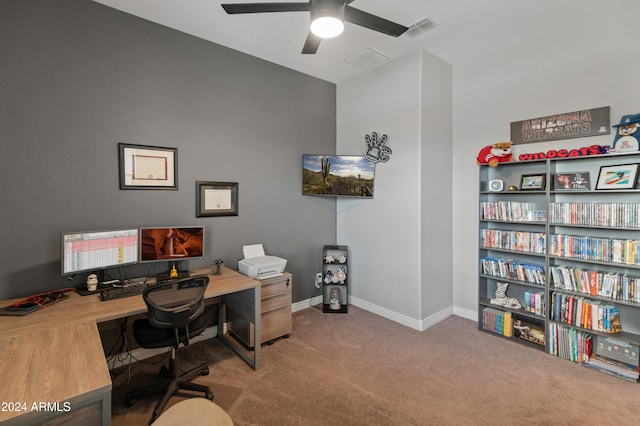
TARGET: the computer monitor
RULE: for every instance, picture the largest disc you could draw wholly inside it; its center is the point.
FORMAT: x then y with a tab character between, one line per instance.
171	243
98	250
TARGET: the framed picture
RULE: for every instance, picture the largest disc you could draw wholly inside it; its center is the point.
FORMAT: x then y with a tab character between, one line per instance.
216	199
624	176
532	182
148	167
575	181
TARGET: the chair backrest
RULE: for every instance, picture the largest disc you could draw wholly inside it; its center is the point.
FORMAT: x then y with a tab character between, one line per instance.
176	303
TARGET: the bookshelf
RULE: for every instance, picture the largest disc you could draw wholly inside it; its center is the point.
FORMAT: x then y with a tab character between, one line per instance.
335	276
569	257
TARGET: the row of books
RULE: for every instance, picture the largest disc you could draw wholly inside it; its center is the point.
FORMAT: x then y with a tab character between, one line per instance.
508	268
619	215
596	283
532	242
617	358
533	301
510	211
585	313
569	343
497	321
600	249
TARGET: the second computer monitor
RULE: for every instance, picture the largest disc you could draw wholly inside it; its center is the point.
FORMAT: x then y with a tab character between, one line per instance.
171	243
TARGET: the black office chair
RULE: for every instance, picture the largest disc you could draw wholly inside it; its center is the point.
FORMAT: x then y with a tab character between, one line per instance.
174	316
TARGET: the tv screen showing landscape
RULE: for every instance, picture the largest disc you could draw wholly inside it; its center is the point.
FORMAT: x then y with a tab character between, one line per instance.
337	175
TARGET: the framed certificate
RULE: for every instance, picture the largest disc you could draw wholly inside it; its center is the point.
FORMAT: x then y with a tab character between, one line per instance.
216	199
147	167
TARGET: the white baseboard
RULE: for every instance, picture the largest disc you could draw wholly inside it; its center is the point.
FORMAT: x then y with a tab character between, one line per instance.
304	304
419	325
466	313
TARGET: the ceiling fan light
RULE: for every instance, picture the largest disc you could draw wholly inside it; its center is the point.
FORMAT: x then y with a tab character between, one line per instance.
327	26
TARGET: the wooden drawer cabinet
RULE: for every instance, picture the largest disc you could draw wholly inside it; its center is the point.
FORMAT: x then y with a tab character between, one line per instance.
275	317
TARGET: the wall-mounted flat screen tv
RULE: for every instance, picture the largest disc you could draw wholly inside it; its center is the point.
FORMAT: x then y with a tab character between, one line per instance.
337	175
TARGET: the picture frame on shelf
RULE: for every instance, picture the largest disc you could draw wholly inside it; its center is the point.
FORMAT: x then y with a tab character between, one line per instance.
623	176
574	181
533	182
147	167
216	199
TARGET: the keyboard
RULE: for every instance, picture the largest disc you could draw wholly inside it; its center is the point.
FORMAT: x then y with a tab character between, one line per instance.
126	291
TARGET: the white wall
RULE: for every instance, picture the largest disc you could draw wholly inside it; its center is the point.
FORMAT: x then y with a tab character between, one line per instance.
385	235
597	67
436	167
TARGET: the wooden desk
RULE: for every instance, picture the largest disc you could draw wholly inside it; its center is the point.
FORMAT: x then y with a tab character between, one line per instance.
53	363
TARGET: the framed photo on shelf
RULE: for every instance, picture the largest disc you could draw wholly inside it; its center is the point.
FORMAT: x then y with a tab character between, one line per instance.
533	182
575	181
147	167
216	199
624	176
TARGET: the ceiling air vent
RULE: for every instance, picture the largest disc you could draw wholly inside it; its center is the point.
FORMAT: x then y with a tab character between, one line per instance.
367	58
421	26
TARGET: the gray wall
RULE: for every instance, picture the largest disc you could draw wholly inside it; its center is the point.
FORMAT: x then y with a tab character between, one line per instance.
77	78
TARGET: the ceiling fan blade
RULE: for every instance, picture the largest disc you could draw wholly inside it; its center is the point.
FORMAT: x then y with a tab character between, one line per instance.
367	20
233	8
311	44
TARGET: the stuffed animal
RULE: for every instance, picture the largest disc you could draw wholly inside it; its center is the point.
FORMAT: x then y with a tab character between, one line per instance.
495	154
627	135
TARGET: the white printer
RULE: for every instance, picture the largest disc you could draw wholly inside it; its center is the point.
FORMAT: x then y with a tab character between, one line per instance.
257	265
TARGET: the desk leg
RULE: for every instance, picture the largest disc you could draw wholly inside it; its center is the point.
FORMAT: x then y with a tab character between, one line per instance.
257	336
253	310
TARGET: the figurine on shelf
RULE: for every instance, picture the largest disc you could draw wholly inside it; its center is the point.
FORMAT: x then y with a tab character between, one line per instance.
334	299
329	259
341	275
501	298
342	258
495	154
328	278
626	138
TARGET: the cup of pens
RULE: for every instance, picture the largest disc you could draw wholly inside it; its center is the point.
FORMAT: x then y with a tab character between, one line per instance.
216	267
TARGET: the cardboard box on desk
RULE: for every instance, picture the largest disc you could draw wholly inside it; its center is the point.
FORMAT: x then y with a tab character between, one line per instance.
258	265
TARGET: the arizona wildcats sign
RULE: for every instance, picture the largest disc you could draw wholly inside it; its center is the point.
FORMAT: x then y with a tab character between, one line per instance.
576	124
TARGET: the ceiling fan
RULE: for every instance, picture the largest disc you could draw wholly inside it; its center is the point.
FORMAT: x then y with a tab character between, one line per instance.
327	18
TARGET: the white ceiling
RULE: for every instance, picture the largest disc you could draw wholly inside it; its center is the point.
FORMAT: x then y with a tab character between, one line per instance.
466	29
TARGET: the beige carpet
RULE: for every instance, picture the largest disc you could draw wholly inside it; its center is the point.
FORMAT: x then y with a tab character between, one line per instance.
361	369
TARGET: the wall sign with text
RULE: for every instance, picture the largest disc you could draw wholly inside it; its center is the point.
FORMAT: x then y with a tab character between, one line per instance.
576	124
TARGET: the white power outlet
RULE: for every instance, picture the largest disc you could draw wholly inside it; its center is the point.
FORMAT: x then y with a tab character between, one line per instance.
318	279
